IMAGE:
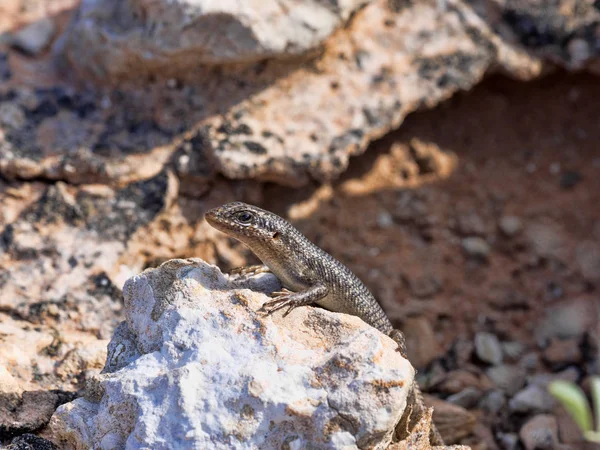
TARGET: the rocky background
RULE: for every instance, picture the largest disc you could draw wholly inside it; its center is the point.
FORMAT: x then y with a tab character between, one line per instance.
475	223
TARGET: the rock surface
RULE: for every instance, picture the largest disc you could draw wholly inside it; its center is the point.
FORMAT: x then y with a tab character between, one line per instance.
146	36
194	365
288	121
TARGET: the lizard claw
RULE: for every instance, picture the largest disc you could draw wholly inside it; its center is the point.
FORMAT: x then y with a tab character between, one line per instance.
281	299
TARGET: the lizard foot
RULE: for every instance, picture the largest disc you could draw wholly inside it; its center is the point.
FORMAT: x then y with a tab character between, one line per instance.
281	299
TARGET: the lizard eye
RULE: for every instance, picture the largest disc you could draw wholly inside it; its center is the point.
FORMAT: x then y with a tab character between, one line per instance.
244	217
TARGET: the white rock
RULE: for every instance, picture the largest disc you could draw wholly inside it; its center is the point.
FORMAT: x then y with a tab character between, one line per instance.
196	366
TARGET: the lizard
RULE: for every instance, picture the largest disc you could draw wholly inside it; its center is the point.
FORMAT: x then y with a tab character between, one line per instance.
308	274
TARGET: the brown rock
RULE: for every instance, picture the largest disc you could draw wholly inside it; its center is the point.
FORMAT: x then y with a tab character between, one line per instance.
453	422
421	344
540	432
29	411
562	352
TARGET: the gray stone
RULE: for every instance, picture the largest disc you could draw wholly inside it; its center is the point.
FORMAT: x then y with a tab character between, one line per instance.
540	433
493	401
35	37
507	377
531	400
510	225
488	348
467	398
476	247
509	441
568	320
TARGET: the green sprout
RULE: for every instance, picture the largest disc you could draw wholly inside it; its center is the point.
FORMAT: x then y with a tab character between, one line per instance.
572	398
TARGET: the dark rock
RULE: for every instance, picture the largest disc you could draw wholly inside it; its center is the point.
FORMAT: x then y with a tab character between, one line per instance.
30	411
31	442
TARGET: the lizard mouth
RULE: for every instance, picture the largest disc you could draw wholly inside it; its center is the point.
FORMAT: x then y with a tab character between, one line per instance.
217	221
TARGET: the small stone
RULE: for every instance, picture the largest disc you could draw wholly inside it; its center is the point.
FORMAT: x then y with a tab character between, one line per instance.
532	399
11	116
579	51
507	377
510	225
509	441
476	247
493	402
467	398
512	350
540	433
470	224
562	352
568	320
488	348
34	38
546	240
385	219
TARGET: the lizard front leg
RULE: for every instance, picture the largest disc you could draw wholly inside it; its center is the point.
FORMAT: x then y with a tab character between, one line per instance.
286	298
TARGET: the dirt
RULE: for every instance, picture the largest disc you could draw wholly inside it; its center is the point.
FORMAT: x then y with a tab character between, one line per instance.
516	145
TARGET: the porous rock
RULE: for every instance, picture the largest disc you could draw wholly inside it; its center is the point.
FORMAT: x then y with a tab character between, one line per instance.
288	118
195	365
184	33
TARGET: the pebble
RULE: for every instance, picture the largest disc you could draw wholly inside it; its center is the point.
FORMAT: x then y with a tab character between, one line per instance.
488	348
507	377
546	240
512	350
11	116
493	401
510	225
579	51
509	441
540	433
568	320
563	352
476	247
467	398
35	37
385	219
531	400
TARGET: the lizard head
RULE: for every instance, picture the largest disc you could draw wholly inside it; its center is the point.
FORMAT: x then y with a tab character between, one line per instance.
247	223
